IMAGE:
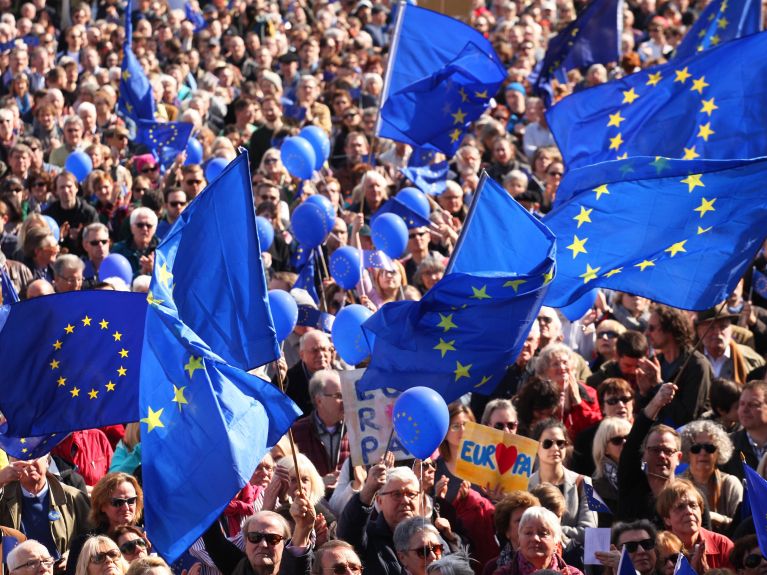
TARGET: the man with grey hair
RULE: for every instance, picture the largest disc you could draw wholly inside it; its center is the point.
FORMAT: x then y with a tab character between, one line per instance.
139	248
316	353
73	140
321	435
96	245
68	273
30	557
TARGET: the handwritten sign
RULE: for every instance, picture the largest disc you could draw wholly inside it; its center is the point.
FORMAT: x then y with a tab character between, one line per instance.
368	420
487	455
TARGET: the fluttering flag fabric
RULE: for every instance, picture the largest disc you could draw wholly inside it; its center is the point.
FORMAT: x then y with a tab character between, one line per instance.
470	325
625	565
71	361
721	21
430	179
306	280
26	448
706	106
165	139
756	491
395	206
441	76
678	232
593	500
592	38
683	566
135	98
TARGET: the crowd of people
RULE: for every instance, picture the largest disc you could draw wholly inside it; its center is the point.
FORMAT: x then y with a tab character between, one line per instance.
649	406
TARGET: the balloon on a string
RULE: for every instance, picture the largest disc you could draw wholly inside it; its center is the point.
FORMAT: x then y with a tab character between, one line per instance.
284	312
53	224
318	139
214	168
416	200
298	157
116	265
328	210
79	164
193	152
346	266
348	339
420	417
390	235
265	232
310	224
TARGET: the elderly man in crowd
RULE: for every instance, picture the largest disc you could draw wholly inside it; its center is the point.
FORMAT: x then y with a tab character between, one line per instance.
316	353
139	248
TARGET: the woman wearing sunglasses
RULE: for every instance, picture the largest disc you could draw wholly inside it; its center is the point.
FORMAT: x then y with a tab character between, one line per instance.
418	544
606	451
669	547
132	542
704	446
500	414
552	446
100	556
747	558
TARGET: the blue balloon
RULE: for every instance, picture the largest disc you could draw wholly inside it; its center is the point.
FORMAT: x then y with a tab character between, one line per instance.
579	307
346	266
284	312
318	139
310	226
298	157
416	200
214	168
116	265
54	227
389	233
193	152
421	419
79	164
348	339
329	211
265	232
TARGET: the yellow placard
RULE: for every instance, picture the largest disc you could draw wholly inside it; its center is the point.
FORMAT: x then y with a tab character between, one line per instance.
487	455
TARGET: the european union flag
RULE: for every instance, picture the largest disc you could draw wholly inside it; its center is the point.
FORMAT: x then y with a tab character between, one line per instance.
376	259
396	206
306	280
166	139
442	74
625	565
309	316
223	299
135	98
26	448
593	500
470	325
756	492
71	361
721	21
8	294
707	106
759	283
683	566
430	179
678	232
421	157
592	38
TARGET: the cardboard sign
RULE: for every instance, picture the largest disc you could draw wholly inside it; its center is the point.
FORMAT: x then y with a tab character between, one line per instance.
368	420
488	455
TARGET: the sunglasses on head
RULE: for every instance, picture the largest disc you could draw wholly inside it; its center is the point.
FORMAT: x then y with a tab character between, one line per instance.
511	426
549	443
617	400
119	502
99	558
435	548
618	440
130	546
709	448
753	560
257	537
646	544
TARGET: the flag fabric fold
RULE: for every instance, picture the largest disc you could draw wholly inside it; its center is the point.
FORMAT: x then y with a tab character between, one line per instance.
165	139
135	98
756	494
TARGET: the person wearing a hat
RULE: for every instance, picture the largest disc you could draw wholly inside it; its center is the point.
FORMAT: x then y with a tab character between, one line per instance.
377	26
728	358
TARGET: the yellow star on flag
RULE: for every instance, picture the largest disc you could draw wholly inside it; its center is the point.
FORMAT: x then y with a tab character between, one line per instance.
57	345
690	154
461	370
193	365
616	142
62	381
123	353
584	217
110	386
704	131
455	135
485	379
479	293
178	396
623	156
601	190
446	322
86	321
708	106
117	335
122	372
514	284
674	249
153	419
653	79
705	206
164	275
126	75
577	246
698	85
589	274
615	119
54	364
613	272
445	346
104	324
151	300
93	394
715	40
70	328
693	181
548	276
704	230
643	265
722	23
482	94
459	117
464	96
681	75
629	96
659	163
75	391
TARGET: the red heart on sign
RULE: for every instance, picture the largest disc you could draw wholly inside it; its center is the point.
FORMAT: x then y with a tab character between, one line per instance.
505	457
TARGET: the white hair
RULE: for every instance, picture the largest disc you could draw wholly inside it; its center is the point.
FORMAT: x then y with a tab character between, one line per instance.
544	516
12	559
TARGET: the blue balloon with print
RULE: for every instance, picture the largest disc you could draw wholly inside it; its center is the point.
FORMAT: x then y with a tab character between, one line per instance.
214	168
346	266
318	139
310	224
389	233
348	339
416	200
53	224
79	164
193	152
421	419
265	232
298	157
328	211
116	265
284	312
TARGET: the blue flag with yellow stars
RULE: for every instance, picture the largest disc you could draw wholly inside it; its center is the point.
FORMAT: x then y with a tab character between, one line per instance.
441	76
430	179
210	270
70	361
165	139
678	232
135	98
756	492
27	448
396	206
469	326
721	21
707	106
306	278
592	38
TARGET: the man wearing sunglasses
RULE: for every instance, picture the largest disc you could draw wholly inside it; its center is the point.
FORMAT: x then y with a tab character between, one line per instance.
630	347
638	537
96	245
139	248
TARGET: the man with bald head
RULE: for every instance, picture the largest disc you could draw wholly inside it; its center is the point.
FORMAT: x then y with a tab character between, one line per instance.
316	353
39	288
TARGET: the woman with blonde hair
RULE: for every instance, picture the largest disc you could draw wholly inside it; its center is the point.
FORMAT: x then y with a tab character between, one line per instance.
100	556
388	284
606	451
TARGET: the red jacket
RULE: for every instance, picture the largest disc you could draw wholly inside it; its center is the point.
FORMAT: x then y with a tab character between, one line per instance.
89	450
584	414
308	442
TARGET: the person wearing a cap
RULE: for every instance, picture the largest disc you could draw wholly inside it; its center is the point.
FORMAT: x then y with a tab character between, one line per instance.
377	27
728	358
289	72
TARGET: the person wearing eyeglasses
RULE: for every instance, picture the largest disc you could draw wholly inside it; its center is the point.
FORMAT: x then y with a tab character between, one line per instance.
669	548
175	203
639	539
747	558
29	557
552	445
68	273
100	556
606	453
418	544
139	248
337	557
704	446
37	503
500	414
96	245
132	542
606	336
